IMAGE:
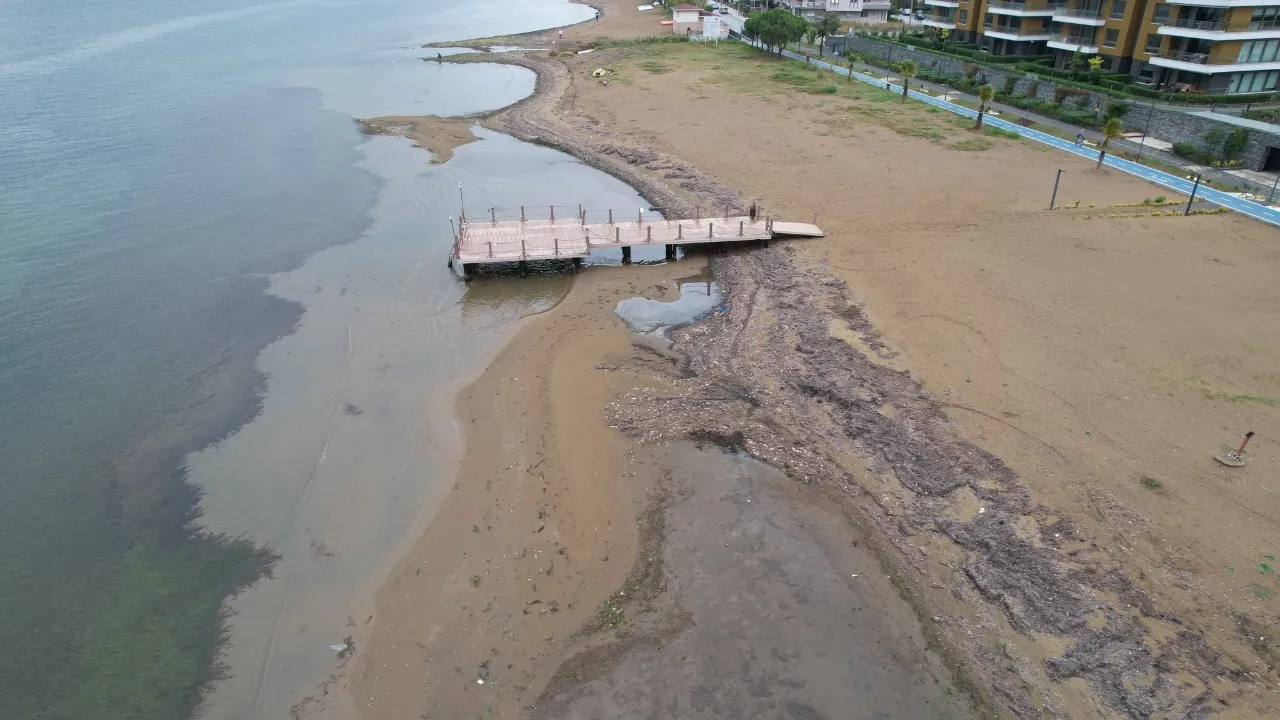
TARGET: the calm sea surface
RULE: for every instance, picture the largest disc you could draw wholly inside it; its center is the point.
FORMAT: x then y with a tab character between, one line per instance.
160	163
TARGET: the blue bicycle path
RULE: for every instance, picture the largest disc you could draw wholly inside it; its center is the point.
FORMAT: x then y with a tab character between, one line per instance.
1254	210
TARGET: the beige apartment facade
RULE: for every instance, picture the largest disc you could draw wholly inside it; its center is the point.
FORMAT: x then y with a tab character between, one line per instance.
1210	46
1200	46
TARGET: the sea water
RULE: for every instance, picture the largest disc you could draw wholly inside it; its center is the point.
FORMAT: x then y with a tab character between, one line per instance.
181	184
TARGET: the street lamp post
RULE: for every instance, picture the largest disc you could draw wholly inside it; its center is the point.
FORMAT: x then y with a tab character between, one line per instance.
1192	199
1150	114
1056	180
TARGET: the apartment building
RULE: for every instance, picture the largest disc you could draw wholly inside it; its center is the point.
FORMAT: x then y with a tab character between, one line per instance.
961	17
849	11
1208	46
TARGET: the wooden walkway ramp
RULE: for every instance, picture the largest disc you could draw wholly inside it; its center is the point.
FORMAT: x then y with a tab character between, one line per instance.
494	241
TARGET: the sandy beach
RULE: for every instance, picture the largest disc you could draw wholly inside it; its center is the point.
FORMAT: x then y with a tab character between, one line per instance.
988	426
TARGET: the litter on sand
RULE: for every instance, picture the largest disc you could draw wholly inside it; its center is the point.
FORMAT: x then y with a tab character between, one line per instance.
644	8
584	52
340	647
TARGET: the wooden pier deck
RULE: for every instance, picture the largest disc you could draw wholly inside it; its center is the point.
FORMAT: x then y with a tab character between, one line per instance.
492	241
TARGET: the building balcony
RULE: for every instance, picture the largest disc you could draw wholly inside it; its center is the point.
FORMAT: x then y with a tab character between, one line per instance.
940	21
1085	44
1217	29
1016	34
877	4
1079	16
1004	7
1199	63
943	3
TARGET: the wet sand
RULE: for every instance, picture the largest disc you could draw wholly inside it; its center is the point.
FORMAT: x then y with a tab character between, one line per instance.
773	608
566	553
538	530
439	135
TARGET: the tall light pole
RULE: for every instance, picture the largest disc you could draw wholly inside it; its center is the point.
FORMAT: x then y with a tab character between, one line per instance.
1192	199
1273	187
1150	114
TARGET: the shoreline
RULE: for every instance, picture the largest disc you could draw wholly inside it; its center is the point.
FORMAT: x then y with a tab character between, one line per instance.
536	119
530	120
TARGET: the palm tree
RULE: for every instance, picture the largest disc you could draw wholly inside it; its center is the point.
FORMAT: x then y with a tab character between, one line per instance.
1112	130
985	94
825	27
908	70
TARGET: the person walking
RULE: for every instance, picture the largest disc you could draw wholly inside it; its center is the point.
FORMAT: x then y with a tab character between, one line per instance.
1080	139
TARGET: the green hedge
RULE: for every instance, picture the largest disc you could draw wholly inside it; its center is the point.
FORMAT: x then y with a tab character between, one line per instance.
1197	99
1270	115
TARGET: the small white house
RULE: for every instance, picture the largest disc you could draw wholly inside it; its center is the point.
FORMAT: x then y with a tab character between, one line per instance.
686	18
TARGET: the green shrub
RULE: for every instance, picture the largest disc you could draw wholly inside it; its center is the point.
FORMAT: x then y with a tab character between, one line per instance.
1269	115
1117	109
1186	150
1080	117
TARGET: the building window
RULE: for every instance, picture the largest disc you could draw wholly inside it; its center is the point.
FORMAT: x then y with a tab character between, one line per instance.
1153	44
1254	51
1265	18
1161	14
1117	9
1254	82
1146	73
1113	37
964	17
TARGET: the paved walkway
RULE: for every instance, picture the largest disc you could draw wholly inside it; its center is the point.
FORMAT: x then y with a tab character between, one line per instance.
1217	175
1172	182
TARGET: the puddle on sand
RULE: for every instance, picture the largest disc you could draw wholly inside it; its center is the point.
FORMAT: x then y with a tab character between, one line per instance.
699	296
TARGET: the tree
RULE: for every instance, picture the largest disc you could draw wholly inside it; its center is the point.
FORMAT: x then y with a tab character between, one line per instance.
985	94
908	69
940	36
1232	146
775	28
1095	68
1075	63
825	27
1222	147
1112	130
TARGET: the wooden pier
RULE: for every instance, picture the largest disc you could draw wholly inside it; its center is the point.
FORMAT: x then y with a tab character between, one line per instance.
549	237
